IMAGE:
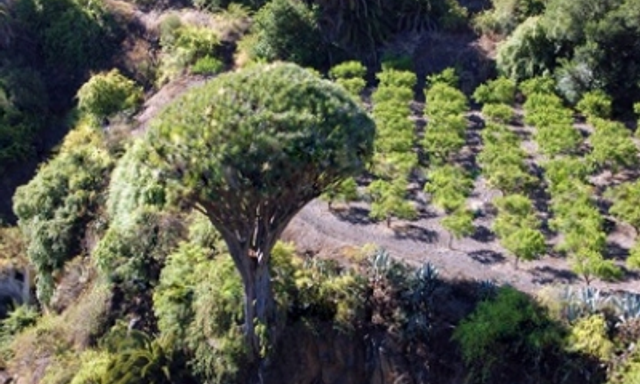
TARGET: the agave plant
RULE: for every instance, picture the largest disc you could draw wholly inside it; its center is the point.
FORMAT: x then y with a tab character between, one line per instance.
381	263
626	306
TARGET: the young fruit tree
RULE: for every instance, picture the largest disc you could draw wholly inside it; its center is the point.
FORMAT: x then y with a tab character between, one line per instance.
249	149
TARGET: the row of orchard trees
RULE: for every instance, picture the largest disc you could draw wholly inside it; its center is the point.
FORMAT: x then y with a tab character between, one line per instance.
394	155
576	216
505	168
448	183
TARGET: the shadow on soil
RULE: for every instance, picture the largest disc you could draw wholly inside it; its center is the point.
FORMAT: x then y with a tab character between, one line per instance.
547	274
353	215
486	256
415	233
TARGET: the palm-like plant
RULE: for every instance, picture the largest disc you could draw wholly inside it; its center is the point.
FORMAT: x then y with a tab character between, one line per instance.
6	28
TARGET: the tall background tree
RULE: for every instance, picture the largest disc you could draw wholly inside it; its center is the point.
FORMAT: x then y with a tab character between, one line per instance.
249	150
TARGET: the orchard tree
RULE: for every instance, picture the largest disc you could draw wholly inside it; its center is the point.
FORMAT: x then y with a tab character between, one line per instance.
388	201
249	149
525	243
344	191
459	224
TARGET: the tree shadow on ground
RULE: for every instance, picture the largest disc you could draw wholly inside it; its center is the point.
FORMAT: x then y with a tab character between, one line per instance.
487	256
615	251
483	234
547	274
415	233
353	215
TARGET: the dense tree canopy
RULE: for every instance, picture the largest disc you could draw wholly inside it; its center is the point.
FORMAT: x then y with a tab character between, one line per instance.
250	149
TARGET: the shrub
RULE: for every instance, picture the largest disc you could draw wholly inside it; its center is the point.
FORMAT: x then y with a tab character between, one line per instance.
448	76
288	30
499	91
183	46
540	84
108	93
55	206
207	66
348	70
505	15
526	53
590	336
509	325
499	113
354	86
595	104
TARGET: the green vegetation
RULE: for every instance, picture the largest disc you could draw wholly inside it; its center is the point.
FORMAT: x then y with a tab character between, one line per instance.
63	198
147	248
510	324
106	94
245	152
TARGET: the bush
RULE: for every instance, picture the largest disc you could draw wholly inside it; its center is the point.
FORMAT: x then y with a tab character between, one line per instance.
595	104
54	208
590	336
348	70
108	93
73	37
499	113
207	66
526	53
505	15
183	46
288	30
509	325
499	91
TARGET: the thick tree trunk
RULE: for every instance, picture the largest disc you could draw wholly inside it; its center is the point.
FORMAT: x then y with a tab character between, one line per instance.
450	241
259	305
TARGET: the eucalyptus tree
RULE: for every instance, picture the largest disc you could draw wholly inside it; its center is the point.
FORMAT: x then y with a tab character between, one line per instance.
249	149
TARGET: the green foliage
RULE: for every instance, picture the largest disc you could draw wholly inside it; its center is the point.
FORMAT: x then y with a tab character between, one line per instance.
628	372
509	325
388	200
395	133
448	76
350	75
94	366
539	84
459	223
354	86
108	93
590	263
266	140
518	228
185	45
612	146
348	70
590	336
54	207
18	320
633	261
288	30
595	104
449	185
397	79
447	123
345	191
23	107
207	66
74	36
498	113
625	199
597	41
499	91
505	15
526	53
503	160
